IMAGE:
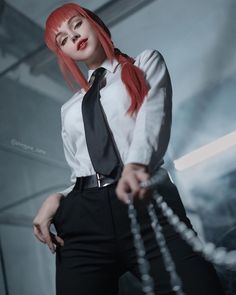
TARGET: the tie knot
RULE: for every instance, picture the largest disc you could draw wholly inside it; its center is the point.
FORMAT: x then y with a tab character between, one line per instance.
98	72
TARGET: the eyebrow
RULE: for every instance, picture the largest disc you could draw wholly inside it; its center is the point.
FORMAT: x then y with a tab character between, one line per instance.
69	24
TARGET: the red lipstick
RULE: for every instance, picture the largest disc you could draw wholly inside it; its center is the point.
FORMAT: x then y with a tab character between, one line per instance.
82	44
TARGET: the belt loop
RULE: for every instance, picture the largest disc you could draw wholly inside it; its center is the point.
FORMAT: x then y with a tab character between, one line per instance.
79	184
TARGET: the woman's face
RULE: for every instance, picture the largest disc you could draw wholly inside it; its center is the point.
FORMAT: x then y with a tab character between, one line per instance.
78	40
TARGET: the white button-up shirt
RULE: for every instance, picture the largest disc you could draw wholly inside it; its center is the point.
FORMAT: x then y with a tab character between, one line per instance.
142	138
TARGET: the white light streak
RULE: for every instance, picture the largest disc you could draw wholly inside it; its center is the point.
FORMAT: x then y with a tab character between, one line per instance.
205	152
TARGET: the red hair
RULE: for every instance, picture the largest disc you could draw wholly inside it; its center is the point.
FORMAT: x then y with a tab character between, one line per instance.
132	76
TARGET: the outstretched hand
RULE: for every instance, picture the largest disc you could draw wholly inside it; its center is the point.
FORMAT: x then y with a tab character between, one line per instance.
129	182
43	220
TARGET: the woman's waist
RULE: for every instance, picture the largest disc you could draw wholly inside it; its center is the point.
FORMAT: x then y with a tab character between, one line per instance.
83	167
97	179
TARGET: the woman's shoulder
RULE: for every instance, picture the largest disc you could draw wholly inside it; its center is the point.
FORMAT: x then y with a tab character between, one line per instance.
76	96
146	55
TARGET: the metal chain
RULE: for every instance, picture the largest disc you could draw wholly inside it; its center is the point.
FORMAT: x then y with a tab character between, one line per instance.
144	266
175	280
218	255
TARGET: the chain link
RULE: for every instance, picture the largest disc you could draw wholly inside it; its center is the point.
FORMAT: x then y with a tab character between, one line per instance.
175	280
216	255
213	254
144	266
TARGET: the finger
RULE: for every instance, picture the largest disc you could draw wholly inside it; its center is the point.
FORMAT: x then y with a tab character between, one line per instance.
126	186
38	234
42	233
142	193
133	184
60	241
50	244
56	240
47	238
142	175
122	191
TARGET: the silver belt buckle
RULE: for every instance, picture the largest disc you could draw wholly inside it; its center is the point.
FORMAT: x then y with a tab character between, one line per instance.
98	179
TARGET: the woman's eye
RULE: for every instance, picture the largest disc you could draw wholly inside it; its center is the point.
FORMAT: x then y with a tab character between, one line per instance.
63	42
77	25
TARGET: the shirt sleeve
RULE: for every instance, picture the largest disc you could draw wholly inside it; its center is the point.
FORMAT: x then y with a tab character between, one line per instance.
69	156
153	122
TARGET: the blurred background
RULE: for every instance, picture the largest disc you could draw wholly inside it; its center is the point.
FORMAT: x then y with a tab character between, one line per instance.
198	42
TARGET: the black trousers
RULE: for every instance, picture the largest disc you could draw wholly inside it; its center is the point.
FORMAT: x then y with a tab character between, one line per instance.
99	248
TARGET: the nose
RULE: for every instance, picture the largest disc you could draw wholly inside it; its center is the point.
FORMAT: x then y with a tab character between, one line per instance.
75	37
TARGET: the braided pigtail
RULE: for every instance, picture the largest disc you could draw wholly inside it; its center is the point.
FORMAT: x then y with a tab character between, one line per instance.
134	81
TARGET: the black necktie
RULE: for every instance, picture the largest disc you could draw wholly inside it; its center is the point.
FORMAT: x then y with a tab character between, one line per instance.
100	142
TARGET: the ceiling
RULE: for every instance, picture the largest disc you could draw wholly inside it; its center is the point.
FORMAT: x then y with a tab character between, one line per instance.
37	11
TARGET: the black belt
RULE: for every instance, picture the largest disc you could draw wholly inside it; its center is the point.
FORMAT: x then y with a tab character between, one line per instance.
95	180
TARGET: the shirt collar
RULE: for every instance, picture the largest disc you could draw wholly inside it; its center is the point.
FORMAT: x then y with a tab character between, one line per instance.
108	65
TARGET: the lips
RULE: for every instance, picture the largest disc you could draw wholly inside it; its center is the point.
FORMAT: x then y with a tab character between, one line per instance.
81	43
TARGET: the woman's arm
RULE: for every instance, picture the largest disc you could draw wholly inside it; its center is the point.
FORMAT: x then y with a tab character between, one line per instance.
152	127
43	220
44	217
153	122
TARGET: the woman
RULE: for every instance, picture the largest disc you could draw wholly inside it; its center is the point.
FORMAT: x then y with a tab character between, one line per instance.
94	242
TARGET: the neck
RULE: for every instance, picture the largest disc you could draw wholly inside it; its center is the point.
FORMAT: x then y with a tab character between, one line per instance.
97	60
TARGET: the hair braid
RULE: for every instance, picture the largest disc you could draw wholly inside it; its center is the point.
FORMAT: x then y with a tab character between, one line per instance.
134	80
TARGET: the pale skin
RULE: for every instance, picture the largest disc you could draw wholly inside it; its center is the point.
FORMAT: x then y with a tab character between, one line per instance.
70	33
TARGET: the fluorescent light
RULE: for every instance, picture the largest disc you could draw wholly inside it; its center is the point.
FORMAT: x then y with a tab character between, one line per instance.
205	152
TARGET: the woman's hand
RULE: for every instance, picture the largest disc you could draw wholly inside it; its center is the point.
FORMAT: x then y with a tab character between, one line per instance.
43	220
131	176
